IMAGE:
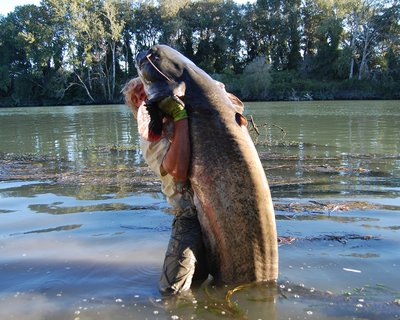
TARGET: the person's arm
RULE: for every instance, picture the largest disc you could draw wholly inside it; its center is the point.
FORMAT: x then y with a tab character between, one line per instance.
177	159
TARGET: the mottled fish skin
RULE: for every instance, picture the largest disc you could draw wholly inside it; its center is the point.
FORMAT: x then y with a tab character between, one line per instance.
231	190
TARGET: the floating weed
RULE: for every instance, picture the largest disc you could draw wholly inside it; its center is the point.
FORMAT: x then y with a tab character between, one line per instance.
224	306
376	292
388	289
230	293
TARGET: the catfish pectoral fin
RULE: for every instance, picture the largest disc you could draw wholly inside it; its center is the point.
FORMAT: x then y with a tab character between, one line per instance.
240	119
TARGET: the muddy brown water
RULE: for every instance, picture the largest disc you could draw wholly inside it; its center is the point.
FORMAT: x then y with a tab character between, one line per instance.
84	227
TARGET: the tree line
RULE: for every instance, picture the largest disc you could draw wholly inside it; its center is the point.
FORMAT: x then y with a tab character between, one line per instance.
82	51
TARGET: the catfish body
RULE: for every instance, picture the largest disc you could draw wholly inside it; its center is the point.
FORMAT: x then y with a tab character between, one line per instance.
232	195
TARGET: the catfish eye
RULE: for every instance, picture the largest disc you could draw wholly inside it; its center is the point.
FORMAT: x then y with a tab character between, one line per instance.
151	58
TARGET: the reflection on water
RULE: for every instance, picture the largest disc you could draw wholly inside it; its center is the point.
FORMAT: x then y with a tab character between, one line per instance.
84	227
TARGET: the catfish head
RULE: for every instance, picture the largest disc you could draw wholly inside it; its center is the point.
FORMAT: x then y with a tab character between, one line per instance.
161	70
167	73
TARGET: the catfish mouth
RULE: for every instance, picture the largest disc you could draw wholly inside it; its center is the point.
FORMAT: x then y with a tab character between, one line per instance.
141	59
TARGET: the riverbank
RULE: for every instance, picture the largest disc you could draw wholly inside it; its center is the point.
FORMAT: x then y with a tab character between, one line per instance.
282	86
294	86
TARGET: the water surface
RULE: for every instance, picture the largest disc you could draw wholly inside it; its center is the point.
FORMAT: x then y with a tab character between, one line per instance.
84	227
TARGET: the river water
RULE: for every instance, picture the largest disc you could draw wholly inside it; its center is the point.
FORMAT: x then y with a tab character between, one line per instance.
84	227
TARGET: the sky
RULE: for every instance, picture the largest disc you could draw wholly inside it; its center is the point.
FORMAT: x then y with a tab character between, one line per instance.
9	5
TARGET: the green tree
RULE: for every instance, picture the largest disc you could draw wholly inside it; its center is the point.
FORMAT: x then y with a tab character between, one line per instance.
256	79
388	24
147	26
95	29
207	37
269	25
34	68
127	55
113	33
12	54
277	25
364	23
328	35
80	51
294	36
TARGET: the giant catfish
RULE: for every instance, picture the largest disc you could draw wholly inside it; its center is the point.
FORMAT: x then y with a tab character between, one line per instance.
232	194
